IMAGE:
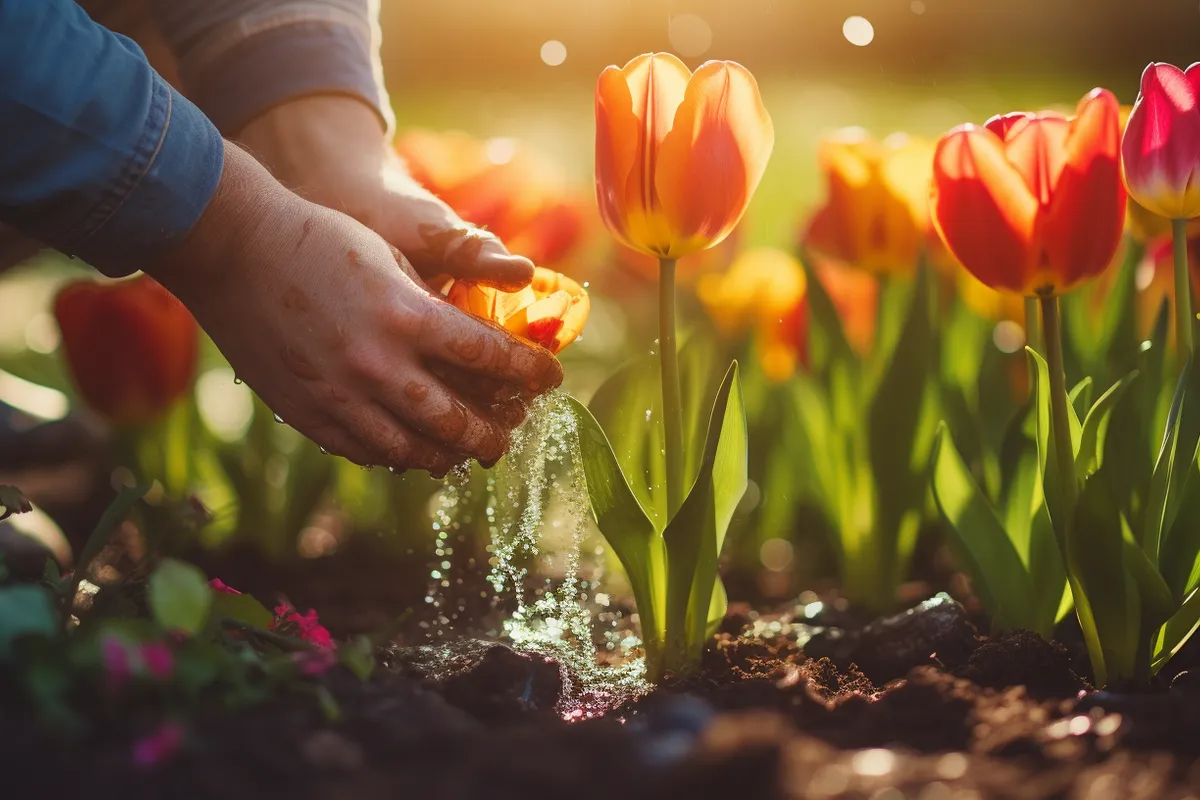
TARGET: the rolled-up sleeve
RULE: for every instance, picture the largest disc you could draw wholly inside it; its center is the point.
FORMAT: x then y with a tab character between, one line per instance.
99	157
238	58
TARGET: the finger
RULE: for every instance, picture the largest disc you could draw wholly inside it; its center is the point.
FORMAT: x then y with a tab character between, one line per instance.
393	444
483	389
451	247
334	440
510	413
434	411
480	347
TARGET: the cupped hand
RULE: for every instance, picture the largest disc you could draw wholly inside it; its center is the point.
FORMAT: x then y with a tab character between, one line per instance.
337	334
333	151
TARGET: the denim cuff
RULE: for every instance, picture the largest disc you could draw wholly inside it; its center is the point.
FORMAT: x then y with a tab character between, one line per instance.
300	59
160	194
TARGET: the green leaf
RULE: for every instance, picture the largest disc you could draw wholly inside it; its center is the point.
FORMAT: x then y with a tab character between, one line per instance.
624	523
1178	629
179	596
25	610
981	546
826	322
695	536
1100	585
1157	604
1176	460
898	455
1081	397
241	608
1090	456
358	655
1047	459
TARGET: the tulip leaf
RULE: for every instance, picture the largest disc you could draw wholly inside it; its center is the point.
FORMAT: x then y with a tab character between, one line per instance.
1090	455
1177	630
1047	458
1118	338
980	544
898	443
1100	584
624	523
1081	397
1180	558
1157	604
1176	460
827	323
695	535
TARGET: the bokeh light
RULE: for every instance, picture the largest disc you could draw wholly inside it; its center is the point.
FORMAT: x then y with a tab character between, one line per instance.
554	53
858	31
690	35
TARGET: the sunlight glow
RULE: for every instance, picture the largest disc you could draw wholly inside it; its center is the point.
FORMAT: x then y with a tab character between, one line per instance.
225	406
690	35
858	31
40	402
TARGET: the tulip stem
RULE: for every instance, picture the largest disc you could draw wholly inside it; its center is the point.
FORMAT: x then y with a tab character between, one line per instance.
1060	424
672	407
1184	320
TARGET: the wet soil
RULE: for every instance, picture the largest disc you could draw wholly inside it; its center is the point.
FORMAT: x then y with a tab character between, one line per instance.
917	706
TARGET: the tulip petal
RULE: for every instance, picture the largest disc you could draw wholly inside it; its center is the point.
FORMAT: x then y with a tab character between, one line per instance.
714	156
617	137
982	207
1161	145
1081	228
1036	146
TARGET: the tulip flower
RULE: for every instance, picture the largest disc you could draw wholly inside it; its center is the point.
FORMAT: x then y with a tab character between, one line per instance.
876	215
1033	203
131	346
1161	151
551	311
500	185
678	157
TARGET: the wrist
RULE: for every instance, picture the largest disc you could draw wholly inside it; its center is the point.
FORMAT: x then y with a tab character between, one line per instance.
232	222
316	134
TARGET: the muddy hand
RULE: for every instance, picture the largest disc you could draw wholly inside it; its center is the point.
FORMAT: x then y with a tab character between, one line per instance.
311	311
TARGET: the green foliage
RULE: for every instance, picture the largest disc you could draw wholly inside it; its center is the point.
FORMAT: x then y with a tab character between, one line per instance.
671	564
25	610
179	596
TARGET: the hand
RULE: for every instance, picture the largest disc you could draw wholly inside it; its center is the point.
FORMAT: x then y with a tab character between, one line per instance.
333	151
339	337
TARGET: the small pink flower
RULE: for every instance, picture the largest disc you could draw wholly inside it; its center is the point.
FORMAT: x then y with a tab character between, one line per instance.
114	656
308	626
219	585
159	746
158	660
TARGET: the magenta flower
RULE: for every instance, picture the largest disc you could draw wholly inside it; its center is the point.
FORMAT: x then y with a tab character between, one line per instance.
1161	146
116	662
158	660
307	626
219	585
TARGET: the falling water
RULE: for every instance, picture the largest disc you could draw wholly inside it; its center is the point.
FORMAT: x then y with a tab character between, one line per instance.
538	517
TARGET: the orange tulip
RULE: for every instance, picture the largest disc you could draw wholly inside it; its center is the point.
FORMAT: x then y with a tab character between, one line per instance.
131	346
499	185
877	213
551	311
678	155
1033	203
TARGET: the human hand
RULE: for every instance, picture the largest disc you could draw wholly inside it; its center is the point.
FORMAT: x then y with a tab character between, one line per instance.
333	151
338	336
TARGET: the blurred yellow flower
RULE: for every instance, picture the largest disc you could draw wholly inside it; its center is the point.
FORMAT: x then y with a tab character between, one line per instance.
876	214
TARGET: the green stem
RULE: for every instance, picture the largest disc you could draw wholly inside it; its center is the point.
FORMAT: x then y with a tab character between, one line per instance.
1033	326
672	408
1060	424
1183	293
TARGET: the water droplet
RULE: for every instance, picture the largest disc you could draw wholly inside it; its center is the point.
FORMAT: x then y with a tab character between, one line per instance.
277	418
237	381
324	452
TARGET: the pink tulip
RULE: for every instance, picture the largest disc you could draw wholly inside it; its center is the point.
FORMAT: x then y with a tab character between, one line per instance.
1161	146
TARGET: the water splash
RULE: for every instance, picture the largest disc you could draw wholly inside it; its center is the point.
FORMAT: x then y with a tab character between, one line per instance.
539	519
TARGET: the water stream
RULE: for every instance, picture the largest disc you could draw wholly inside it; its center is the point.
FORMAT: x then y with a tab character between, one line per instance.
539	521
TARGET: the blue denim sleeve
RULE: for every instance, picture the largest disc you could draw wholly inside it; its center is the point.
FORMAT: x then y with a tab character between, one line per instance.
99	157
238	58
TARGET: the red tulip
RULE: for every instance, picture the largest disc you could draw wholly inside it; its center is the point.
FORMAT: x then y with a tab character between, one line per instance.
131	346
1161	146
1033	203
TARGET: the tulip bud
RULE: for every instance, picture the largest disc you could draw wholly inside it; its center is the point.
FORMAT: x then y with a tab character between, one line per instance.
131	346
678	155
1161	145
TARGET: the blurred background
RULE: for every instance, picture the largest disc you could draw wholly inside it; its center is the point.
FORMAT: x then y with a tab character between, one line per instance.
517	79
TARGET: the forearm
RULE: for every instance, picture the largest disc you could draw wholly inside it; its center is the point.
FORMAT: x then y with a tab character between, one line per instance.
240	58
101	158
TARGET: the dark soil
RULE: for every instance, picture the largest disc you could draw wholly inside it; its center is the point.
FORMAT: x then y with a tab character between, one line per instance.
917	706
